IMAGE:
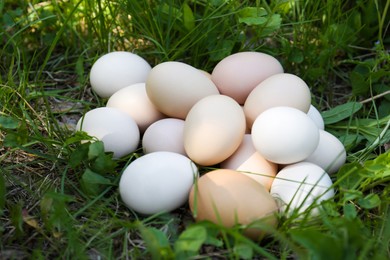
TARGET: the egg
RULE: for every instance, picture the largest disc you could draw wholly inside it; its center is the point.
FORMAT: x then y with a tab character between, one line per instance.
330	153
157	182
134	101
284	135
116	70
299	186
174	87
117	130
277	90
315	115
251	163
213	129
238	74
164	135
228	198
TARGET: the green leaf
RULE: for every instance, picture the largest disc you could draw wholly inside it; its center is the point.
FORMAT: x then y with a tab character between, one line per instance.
222	50
13	139
358	83
319	244
79	155
191	240
93	183
243	251
188	17
350	211
252	16
104	164
340	112
370	201
157	243
8	122
95	150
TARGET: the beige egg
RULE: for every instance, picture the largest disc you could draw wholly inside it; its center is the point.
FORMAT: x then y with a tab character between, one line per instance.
174	87
330	153
250	162
229	198
164	135
213	129
134	101
238	74
278	90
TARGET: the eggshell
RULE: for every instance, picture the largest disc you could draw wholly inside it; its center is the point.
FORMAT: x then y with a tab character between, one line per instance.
300	185
174	87
238	74
164	135
213	129
134	101
116	129
227	197
284	135
330	153
315	115
116	70
157	182
278	90
251	163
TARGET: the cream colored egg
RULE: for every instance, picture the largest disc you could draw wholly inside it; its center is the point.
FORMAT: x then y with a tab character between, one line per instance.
164	135
116	129
284	135
157	182
250	162
278	90
300	186
116	70
238	74
330	153
213	129
174	87
315	115
228	198
134	101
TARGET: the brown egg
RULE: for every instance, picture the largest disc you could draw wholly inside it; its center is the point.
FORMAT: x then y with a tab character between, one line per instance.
228	198
251	163
238	74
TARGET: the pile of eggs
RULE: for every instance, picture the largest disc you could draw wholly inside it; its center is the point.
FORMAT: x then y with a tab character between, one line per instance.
249	119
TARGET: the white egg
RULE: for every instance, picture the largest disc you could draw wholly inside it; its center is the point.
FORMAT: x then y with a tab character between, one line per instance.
157	182
315	115
164	135
116	129
116	70
301	185
330	153
134	101
284	135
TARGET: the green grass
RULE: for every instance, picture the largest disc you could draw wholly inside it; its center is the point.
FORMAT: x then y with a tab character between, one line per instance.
59	199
